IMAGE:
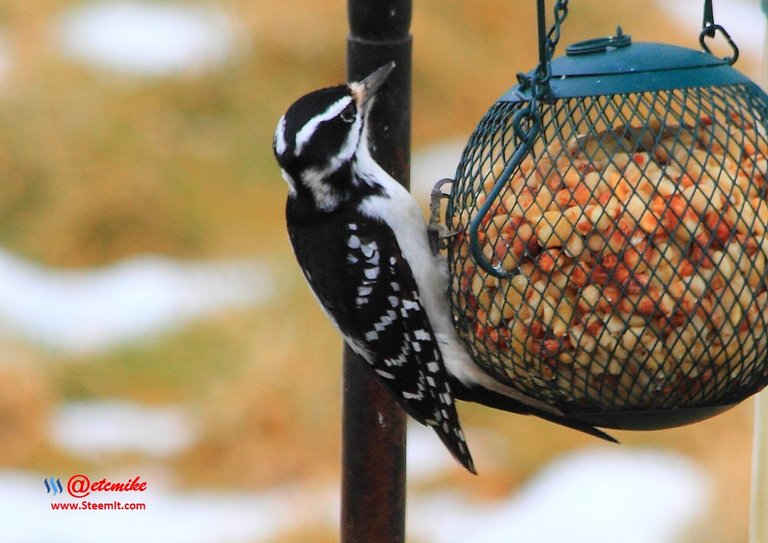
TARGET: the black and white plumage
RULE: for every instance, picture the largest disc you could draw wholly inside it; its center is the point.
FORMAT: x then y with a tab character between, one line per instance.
361	241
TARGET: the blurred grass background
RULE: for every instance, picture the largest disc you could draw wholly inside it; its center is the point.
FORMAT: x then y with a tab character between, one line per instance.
97	166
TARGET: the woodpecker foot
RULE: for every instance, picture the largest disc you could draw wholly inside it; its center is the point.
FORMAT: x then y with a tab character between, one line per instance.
437	232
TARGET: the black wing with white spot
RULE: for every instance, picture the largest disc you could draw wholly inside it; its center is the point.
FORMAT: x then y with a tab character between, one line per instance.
368	290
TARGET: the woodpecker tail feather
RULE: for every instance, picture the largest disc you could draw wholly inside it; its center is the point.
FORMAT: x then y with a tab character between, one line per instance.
499	401
452	437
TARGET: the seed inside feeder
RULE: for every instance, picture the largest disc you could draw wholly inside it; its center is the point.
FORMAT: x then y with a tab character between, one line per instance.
635	260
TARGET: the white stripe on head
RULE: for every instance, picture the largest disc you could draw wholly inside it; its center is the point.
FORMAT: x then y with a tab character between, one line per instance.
280	144
316	179
303	135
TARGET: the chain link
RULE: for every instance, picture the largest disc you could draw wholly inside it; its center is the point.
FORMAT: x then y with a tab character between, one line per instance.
547	45
526	124
553	36
709	29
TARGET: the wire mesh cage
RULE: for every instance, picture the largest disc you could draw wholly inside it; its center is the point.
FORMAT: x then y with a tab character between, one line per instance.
610	253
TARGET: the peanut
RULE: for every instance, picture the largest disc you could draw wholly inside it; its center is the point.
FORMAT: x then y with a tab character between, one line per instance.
639	260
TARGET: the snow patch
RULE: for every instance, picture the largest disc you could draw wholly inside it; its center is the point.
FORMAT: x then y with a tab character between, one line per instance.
92	310
148	38
93	428
594	496
199	517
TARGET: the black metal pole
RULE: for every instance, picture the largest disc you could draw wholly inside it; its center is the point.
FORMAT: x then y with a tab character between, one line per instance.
373	426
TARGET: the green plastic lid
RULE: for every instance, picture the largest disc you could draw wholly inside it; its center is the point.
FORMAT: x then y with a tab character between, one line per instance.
614	65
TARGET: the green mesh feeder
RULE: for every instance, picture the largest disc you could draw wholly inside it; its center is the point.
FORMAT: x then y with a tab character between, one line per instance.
610	215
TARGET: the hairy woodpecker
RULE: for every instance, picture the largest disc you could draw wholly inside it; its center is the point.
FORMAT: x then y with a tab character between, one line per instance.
361	241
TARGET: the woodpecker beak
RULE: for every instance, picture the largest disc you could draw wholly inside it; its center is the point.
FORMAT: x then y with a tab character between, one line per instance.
366	89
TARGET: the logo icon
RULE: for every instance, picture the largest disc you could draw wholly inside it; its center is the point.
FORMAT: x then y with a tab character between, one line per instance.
79	486
53	485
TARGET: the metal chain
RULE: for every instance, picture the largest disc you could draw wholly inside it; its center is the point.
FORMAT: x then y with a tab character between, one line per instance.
547	45
553	36
707	25
709	29
526	124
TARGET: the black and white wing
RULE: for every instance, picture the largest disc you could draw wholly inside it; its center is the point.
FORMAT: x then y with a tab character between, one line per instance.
366	286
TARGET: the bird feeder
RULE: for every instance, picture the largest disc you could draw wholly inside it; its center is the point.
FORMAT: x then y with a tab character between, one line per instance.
610	213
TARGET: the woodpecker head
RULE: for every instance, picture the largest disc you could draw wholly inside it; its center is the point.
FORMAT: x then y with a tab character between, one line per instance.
320	133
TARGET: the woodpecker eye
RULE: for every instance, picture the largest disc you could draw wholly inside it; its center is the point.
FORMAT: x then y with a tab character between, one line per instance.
348	114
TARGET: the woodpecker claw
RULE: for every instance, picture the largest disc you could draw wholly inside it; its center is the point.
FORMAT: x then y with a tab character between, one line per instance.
434	201
436	231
